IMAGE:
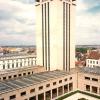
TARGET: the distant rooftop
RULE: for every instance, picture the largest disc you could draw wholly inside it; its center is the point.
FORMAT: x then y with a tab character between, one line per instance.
94	55
15	55
94	70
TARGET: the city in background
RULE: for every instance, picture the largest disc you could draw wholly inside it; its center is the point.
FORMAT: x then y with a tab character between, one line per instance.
27	71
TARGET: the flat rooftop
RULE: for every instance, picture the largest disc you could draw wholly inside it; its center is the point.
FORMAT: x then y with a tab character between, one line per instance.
94	70
7	71
10	85
5	56
21	82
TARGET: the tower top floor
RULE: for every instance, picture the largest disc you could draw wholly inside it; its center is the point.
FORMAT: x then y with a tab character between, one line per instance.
44	1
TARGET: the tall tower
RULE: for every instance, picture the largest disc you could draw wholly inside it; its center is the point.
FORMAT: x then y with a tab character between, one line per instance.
55	34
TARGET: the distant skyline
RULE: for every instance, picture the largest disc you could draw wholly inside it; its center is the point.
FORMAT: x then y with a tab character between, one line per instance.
17	22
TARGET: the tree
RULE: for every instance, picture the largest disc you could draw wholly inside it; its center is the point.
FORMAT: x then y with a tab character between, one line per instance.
82	50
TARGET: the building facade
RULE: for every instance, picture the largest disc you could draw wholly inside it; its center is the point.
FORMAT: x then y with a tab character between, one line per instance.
92	62
55	28
50	85
12	61
19	73
41	86
93	58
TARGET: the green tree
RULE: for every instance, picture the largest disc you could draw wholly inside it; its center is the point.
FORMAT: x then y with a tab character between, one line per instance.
82	50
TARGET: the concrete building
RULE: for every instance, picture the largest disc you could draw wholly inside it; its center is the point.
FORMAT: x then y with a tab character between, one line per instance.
55	50
55	28
93	58
50	85
34	86
15	73
15	61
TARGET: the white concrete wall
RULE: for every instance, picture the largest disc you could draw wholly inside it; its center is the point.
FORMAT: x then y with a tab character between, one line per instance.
56	34
26	62
92	62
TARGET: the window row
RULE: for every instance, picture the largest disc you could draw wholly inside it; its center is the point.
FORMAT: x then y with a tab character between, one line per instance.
93	79
92	89
15	65
16	76
92	62
54	83
61	90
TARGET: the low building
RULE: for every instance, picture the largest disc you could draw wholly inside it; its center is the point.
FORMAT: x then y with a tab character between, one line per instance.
15	73
41	86
51	85
15	61
93	59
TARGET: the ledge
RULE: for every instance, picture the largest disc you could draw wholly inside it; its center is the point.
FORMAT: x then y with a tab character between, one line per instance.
78	91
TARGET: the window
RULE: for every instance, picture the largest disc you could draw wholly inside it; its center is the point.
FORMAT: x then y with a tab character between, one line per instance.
41	87
12	65
9	77
32	98
37	0
16	64
66	88
94	89
93	62
94	79
24	74
87	78
4	78
60	90
90	61
70	86
28	73
15	75
2	99
87	87
70	78
93	65
12	97
60	81
97	62
3	66
54	83
65	79
20	64
32	90
48	85
19	75
23	93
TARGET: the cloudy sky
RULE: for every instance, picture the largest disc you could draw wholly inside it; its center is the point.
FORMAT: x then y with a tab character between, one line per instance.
88	22
17	19
17	22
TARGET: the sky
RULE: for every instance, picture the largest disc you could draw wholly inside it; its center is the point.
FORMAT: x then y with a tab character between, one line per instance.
88	22
17	22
